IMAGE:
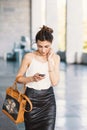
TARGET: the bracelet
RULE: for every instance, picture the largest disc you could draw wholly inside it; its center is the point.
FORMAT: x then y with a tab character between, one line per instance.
50	70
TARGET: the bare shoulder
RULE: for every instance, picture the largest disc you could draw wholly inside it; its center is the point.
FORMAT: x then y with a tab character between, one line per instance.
28	58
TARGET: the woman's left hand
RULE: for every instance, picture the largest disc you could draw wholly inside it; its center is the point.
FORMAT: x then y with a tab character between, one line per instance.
50	55
51	63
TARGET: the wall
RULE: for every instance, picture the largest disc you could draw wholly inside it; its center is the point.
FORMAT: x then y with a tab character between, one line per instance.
14	22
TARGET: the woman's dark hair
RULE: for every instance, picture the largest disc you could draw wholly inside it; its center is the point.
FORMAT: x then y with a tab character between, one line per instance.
45	34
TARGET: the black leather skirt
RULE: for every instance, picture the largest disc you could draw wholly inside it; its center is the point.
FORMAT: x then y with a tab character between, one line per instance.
43	115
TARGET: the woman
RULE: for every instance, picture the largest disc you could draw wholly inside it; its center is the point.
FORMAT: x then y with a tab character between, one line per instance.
40	72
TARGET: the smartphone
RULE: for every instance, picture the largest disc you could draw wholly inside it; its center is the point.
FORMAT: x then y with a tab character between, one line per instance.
42	75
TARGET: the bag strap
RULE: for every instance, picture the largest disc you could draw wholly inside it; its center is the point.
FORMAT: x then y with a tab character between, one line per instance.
14	86
29	101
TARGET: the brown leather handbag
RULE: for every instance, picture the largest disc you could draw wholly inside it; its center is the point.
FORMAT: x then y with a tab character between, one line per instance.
14	104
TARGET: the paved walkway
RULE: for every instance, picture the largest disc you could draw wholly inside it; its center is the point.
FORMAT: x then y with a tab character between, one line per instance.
71	96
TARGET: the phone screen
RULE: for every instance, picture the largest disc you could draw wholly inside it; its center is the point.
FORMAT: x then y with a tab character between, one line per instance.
42	75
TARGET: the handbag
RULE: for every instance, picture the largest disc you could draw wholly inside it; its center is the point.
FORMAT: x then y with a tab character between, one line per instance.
14	104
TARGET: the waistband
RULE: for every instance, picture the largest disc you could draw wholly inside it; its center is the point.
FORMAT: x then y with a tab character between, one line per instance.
50	89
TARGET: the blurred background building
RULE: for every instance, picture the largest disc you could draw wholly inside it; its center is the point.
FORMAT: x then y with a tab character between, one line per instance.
20	20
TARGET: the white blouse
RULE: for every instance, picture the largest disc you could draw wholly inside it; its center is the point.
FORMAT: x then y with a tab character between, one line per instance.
42	68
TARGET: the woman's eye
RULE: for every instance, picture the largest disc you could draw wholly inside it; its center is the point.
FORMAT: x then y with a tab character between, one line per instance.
46	46
40	46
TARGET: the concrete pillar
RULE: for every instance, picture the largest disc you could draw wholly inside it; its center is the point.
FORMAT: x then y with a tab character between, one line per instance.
38	16
74	41
44	12
52	20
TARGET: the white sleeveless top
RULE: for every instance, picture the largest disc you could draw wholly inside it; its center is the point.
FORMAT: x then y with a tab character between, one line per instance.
38	67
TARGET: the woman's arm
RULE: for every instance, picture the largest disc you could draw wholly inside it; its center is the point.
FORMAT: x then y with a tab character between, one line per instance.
20	78
54	67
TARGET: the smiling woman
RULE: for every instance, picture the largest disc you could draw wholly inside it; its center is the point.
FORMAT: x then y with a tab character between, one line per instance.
40	88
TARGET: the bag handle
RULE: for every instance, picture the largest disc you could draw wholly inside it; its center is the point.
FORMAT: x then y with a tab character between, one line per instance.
14	86
30	103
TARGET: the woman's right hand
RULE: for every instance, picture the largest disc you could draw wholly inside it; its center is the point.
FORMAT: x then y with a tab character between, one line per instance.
37	77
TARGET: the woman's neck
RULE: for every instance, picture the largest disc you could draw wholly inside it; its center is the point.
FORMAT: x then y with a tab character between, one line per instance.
39	56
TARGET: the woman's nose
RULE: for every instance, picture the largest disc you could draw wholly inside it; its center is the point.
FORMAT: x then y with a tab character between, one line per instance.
43	49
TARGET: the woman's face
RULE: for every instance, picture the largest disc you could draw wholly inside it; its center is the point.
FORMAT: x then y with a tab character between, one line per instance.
43	47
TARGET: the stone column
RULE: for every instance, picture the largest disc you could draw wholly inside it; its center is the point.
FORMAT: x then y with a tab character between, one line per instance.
38	16
44	12
74	41
52	20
